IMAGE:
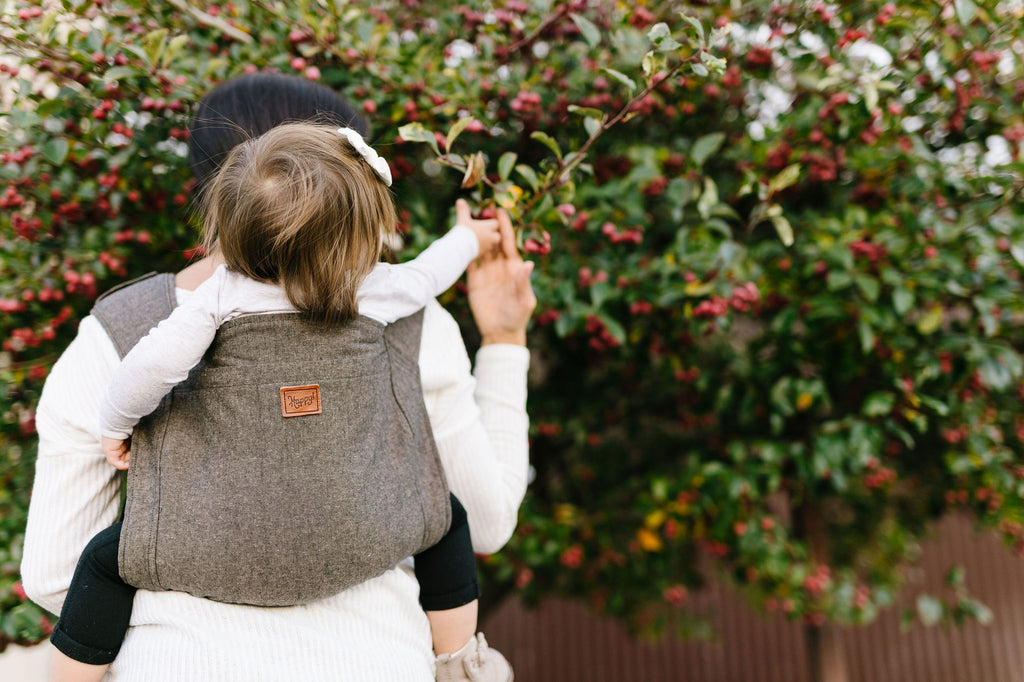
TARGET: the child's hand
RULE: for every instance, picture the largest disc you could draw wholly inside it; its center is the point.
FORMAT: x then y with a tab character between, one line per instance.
117	451
486	231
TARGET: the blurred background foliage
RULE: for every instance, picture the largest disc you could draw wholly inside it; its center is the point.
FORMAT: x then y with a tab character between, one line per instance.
779	253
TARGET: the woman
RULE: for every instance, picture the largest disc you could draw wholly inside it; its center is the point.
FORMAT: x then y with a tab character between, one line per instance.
374	631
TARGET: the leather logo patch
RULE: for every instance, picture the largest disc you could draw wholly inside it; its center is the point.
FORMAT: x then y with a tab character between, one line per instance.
297	401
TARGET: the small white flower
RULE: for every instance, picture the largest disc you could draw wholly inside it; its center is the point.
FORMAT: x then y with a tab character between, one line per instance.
870	52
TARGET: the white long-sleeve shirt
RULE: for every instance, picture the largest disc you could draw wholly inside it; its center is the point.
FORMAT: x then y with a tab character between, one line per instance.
372	632
162	359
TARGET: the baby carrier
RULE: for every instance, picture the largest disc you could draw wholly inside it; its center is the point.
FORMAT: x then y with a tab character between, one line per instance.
295	461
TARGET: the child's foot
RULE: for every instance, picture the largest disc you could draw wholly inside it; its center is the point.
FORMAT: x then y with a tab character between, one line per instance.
475	662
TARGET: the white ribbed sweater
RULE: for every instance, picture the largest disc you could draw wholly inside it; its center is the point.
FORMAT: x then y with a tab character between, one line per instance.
374	631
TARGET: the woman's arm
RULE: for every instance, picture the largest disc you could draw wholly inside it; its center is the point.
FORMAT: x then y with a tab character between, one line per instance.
480	422
76	493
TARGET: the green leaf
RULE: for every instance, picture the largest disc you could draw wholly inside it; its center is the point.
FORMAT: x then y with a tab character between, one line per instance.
592	126
966	10
780	396
1017	251
661	37
599	293
719	33
868	285
716	64
135	50
46	25
215	65
696	25
154	43
930	609
784	229
55	150
94	41
870	96
548	141
906	620
613	327
25	119
590	32
878	404
621	77
994	374
529	175
940	408
975	609
930	321
173	49
653	63
48	107
699	69
589	112
564	324
837	279
505	164
902	300
119	72
705	146
456	130
658	31
416	132
866	334
698	288
786	178
708	198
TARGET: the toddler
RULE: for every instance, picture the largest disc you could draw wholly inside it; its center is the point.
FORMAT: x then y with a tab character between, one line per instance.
297	215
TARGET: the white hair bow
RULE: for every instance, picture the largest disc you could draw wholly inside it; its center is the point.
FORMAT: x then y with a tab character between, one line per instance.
366	151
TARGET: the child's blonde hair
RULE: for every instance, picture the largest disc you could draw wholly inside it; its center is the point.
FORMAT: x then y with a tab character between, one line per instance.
299	207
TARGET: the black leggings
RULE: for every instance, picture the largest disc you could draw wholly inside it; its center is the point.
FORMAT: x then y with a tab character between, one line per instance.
98	608
446	572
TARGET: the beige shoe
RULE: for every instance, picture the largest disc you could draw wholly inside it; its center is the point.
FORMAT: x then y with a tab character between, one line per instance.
475	662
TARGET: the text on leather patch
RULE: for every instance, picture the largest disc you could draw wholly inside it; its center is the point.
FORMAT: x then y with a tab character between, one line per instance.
297	401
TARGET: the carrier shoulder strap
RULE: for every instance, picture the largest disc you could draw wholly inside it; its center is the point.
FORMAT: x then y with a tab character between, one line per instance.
129	310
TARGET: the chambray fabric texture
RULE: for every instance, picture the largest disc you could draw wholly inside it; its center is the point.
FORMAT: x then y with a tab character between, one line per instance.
230	501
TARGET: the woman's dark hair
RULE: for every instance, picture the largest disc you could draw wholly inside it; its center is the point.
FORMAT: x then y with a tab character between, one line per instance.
250	105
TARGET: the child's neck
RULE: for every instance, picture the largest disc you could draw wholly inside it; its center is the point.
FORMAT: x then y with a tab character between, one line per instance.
198	272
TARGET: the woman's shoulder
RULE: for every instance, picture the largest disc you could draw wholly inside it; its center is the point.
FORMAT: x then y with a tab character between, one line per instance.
437	318
91	350
440	328
443	354
77	380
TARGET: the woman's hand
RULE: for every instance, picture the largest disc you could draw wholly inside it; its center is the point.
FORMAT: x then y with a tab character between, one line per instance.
500	294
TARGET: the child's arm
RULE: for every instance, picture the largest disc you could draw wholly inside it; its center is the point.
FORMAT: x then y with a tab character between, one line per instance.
158	361
392	292
117	451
